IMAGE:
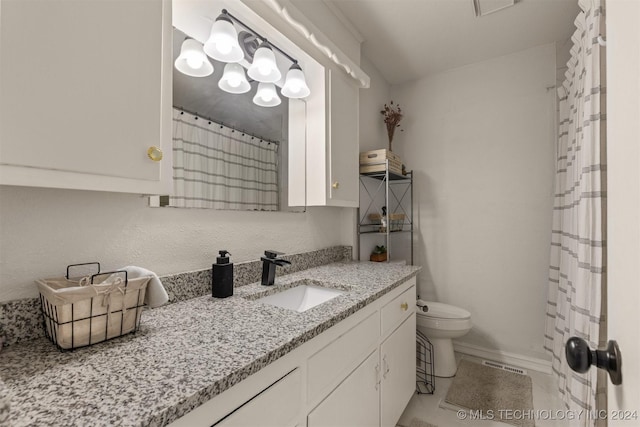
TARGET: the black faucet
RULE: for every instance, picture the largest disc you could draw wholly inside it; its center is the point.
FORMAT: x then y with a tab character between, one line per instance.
269	262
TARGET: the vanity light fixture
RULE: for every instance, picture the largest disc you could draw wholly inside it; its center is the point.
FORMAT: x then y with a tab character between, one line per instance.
266	96
295	85
192	61
234	80
223	45
264	68
223	40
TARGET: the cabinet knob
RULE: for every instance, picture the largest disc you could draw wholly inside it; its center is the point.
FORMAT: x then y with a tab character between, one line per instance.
404	306
154	153
336	185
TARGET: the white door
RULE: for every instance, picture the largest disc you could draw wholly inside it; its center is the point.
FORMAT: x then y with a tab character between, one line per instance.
623	200
398	353
86	91
354	403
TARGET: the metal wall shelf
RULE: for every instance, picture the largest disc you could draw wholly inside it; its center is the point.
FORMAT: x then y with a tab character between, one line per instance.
392	176
385	188
384	232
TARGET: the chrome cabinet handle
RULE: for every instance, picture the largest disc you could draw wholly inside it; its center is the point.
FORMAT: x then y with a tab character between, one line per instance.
580	358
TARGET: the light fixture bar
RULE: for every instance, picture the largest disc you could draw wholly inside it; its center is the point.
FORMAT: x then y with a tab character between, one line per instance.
260	36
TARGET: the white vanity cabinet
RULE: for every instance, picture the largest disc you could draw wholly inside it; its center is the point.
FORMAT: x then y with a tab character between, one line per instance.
377	392
332	158
359	372
85	92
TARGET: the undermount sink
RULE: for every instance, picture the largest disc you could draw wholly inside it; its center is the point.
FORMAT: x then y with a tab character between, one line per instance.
301	298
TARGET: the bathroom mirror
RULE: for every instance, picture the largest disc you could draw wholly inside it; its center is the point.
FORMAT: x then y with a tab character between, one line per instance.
228	152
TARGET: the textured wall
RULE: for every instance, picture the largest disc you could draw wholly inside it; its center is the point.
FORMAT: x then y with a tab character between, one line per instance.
481	142
373	133
43	230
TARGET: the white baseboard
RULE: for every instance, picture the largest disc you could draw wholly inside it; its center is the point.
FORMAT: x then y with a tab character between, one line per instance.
519	360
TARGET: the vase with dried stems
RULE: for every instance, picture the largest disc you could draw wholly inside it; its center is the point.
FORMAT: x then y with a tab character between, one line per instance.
392	116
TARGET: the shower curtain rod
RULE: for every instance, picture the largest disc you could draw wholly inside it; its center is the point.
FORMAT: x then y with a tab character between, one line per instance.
210	120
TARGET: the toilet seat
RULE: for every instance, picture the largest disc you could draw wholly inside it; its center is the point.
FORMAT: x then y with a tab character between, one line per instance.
438	310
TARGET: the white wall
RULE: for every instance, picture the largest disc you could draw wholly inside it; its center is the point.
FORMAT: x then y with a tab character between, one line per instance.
43	230
480	140
373	133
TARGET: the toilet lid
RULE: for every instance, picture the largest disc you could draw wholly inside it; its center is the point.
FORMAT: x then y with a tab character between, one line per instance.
444	311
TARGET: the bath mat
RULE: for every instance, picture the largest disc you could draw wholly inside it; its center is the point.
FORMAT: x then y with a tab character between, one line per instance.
493	394
418	423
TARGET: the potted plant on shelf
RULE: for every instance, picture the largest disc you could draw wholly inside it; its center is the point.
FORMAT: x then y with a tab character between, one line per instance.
379	254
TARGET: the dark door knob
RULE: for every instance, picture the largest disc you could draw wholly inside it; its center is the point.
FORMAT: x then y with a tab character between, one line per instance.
580	358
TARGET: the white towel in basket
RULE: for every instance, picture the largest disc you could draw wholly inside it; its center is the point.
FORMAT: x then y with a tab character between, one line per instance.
156	294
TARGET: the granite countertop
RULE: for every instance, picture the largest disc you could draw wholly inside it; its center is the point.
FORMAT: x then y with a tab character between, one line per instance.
4	404
183	354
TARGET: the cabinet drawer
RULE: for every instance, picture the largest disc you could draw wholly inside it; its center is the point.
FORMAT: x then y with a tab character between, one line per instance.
332	364
278	405
398	309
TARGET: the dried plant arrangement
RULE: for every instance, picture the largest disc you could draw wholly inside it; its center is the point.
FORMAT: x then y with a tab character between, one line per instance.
392	116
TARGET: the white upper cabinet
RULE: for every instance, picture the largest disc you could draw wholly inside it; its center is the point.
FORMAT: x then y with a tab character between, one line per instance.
332	109
343	140
332	152
85	91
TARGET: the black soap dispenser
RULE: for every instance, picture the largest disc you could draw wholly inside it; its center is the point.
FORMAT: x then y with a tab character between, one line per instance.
222	276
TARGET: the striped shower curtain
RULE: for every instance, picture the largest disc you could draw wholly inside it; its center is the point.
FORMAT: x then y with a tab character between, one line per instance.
217	167
576	284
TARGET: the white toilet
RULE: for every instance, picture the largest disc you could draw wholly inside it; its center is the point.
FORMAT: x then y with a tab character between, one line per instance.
440	324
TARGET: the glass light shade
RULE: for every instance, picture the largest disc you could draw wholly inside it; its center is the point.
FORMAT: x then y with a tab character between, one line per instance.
264	68
223	41
233	80
295	86
192	61
266	96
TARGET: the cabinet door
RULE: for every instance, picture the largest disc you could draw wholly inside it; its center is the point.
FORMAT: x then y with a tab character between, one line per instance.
354	402
398	358
334	362
277	406
343	140
86	90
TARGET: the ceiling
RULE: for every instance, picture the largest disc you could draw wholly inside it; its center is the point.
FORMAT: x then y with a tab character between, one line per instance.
408	39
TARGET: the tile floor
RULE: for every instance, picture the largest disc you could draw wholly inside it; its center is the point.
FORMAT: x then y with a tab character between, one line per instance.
428	407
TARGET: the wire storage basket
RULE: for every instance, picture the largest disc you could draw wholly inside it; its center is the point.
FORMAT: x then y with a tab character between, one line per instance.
425	370
81	312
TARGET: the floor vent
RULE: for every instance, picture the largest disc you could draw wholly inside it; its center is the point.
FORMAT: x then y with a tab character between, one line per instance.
508	368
